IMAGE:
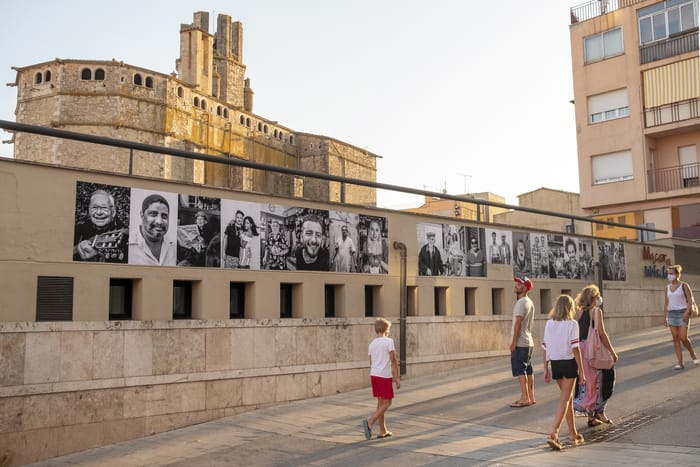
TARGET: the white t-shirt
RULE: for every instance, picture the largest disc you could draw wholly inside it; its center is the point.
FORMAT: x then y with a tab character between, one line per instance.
525	308
676	298
559	338
379	350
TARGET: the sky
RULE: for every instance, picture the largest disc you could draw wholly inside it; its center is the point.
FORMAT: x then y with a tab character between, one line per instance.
454	95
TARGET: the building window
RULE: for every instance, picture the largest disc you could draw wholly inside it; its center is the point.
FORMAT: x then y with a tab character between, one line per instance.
86	74
291	139
666	19
498	298
38	78
260	126
370	291
613	167
688	157
469	300
54	298
204	104
274	133
120	299
237	300
603	45
182	300
180	91
329	300
225	112
545	300
218	110
149	82
241	120
440	301
47	76
196	101
608	106
247	122
99	74
286	300
138	80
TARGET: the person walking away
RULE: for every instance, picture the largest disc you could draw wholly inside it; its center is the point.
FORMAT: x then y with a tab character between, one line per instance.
561	351
592	397
522	345
677	300
383	366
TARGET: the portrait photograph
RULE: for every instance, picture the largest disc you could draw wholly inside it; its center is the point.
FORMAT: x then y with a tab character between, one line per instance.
456	245
198	231
539	253
153	228
241	242
344	241
374	247
431	253
475	265
522	261
275	236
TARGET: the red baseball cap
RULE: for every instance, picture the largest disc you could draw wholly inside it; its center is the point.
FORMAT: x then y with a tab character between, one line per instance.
524	281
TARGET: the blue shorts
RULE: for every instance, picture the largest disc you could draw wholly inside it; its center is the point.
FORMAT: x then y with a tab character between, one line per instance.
521	361
675	318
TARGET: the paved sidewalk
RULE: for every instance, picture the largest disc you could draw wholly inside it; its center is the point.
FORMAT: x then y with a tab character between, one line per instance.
454	419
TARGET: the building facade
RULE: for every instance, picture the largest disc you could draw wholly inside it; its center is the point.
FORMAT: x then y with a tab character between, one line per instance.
636	74
205	107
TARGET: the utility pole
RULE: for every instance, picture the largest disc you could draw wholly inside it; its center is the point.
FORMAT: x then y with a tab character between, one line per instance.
465	180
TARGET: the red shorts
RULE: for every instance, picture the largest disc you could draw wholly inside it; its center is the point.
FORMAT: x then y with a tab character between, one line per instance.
382	387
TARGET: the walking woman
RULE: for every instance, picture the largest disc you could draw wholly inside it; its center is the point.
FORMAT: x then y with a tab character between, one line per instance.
561	349
592	397
677	299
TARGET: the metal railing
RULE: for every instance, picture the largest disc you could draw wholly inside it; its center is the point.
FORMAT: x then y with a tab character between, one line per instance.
231	160
672	113
597	8
668	48
674	178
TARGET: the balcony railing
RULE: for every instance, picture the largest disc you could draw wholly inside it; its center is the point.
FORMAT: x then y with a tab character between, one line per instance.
672	113
674	178
668	48
597	8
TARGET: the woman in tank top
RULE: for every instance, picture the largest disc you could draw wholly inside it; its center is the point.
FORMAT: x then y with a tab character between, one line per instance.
677	314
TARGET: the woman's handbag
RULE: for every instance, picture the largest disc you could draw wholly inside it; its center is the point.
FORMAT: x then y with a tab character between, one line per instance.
693	305
598	355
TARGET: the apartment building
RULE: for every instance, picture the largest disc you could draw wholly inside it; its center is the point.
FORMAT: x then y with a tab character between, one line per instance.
636	74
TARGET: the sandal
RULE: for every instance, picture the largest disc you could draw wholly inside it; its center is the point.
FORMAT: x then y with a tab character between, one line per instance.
385	435
594	422
679	366
603	419
367	429
555	444
577	440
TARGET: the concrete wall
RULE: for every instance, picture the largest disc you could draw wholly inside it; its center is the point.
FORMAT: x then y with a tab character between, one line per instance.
68	386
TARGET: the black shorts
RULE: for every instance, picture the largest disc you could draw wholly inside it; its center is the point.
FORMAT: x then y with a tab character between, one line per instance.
564	369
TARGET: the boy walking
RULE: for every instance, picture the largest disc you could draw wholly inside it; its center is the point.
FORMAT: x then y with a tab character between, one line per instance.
383	366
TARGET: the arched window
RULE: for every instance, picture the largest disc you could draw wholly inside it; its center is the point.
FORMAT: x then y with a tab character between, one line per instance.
291	139
86	74
275	133
280	135
242	120
196	101
138	81
47	75
37	78
149	82
265	129
204	104
247	122
180	91
99	74
218	110
225	113
259	126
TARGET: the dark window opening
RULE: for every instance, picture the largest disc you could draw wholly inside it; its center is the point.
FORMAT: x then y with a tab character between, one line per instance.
218	110
149	82
469	301
291	140
247	122
196	101
225	113
237	300
47	76
182	300
38	78
138	80
369	300
242	120
286	305
99	74
329	301
180	91
86	74
204	104
120	299
260	126
54	298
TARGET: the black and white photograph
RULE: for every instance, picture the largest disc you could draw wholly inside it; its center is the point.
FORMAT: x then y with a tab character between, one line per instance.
153	232
374	247
455	238
499	249
240	234
101	231
586	260
572	265
555	251
198	231
475	265
522	261
344	239
276	237
310	240
539	252
611	256
431	254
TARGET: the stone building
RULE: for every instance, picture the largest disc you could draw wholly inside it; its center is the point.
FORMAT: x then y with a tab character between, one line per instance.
206	107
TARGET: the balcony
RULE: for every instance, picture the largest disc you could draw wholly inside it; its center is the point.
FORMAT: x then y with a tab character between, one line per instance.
688	42
672	113
674	178
597	8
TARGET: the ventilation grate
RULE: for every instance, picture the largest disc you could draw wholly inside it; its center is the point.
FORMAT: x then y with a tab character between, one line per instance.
611	432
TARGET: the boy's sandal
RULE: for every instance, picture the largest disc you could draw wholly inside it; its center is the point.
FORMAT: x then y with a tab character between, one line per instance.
555	444
385	435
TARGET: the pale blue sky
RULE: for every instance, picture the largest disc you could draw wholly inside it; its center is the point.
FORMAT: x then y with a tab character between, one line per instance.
451	93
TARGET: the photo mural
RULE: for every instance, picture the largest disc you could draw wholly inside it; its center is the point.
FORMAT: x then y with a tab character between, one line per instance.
135	226
452	250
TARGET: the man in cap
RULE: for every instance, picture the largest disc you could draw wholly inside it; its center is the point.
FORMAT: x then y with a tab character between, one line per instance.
522	345
429	258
